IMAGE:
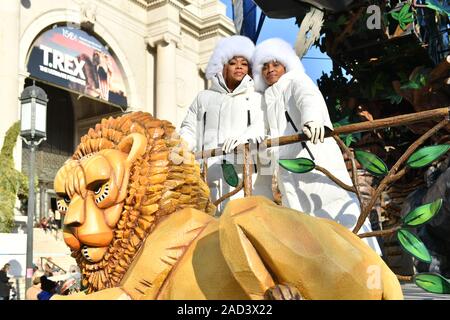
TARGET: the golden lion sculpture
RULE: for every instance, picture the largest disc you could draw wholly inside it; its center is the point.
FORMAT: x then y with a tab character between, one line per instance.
139	222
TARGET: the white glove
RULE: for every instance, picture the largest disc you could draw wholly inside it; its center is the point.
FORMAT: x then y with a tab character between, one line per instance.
314	131
256	139
231	143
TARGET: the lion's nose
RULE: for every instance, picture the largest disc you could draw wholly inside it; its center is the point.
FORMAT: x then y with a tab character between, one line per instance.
75	213
94	231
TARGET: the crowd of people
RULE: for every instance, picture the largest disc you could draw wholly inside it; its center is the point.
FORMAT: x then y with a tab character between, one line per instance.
51	280
46	282
51	223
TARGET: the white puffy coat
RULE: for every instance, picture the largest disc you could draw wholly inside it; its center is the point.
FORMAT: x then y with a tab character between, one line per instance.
226	115
311	192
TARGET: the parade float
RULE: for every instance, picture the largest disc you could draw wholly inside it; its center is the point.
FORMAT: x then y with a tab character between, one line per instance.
139	222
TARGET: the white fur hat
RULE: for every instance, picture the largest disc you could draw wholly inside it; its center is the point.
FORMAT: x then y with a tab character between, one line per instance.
225	50
269	50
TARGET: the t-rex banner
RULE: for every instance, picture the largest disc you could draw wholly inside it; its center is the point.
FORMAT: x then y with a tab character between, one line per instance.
73	59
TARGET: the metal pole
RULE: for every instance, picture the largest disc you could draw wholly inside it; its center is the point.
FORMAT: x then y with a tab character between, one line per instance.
30	218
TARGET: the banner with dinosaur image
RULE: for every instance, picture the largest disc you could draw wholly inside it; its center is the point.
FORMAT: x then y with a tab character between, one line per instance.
73	59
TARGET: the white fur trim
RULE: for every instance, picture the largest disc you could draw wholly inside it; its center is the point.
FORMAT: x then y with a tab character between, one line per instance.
225	50
269	50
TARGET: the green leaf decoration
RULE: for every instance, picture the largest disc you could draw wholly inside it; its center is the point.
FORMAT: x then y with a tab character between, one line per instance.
432	282
299	165
371	163
408	16
349	139
422	214
411	85
395	99
438	7
404	17
418	81
413	245
230	174
427	155
422	80
344	121
404	10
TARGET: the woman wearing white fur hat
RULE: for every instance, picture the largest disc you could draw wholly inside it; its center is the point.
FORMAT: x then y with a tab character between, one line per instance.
295	103
229	113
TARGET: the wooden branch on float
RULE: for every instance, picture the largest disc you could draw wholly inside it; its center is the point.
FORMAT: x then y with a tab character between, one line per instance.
393	175
404	278
441	70
396	121
247	172
205	170
365	126
379	233
229	194
351	156
334	179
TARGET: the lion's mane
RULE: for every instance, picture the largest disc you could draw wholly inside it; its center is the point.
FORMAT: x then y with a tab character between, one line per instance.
165	179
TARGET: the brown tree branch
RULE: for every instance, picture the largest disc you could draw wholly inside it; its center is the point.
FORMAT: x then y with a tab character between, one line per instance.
335	180
397	176
404	278
441	70
396	121
205	170
391	176
229	194
247	172
380	233
351	156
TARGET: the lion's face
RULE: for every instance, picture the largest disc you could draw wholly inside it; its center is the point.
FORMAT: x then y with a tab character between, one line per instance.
126	176
93	191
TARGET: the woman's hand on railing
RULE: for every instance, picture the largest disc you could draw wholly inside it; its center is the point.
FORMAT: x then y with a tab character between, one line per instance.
314	131
230	143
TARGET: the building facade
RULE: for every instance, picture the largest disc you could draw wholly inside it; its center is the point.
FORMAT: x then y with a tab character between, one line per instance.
155	55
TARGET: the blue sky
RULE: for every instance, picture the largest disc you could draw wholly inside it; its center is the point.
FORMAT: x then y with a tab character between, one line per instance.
287	30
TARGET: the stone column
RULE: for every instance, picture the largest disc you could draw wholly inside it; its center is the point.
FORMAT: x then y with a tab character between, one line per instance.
166	80
151	84
9	64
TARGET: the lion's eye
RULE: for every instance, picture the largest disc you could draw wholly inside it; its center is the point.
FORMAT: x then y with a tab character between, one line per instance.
101	192
63	204
98	189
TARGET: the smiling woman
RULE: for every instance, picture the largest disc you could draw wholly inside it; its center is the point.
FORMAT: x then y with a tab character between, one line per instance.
295	103
227	114
272	71
234	71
